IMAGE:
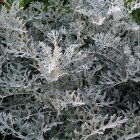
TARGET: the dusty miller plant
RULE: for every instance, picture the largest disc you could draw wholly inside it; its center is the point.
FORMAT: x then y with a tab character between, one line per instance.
72	72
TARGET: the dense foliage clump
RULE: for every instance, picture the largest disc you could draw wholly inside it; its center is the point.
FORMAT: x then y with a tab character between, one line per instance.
71	71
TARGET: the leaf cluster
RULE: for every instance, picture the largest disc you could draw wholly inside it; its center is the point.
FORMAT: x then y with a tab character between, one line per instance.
72	72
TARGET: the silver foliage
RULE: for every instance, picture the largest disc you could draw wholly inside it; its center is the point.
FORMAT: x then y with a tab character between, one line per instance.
72	72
